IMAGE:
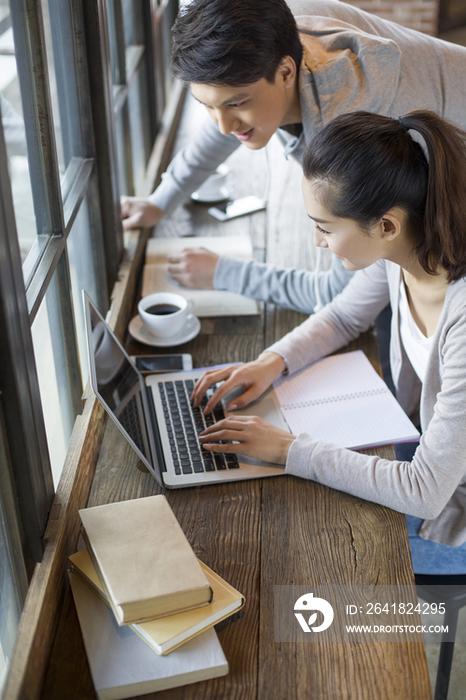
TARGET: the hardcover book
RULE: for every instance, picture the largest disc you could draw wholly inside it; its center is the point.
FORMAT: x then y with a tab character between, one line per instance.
165	634
122	666
144	561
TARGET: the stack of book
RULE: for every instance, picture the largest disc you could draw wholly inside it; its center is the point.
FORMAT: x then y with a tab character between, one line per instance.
139	589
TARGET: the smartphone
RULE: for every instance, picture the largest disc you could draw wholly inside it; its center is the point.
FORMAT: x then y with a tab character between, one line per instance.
237	207
163	363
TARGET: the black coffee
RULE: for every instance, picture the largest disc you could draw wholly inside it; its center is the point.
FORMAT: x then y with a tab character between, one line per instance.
162	309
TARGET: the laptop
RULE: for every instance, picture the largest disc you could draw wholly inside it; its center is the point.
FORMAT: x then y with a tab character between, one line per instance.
156	416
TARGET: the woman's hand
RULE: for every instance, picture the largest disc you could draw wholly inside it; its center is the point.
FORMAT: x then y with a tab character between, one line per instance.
194	267
255	377
255	436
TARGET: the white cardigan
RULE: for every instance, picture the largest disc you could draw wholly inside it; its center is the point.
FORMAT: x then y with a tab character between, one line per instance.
433	485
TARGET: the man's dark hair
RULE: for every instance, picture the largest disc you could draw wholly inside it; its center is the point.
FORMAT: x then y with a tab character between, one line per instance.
233	42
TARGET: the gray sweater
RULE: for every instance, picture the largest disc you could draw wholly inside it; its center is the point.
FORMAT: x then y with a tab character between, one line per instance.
352	60
433	485
292	289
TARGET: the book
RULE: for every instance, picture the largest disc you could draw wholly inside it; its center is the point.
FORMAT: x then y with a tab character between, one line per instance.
123	666
207	302
144	561
168	633
341	399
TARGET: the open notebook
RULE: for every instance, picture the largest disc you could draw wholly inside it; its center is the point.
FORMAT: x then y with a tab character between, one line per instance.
341	399
207	302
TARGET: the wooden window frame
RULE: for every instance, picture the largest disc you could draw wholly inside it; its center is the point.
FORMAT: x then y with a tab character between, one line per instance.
49	583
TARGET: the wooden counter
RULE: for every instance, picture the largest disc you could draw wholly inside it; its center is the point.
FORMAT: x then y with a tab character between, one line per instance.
262	533
258	534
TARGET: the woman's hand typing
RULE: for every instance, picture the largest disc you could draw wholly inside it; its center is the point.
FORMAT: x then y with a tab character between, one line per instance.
255	436
255	377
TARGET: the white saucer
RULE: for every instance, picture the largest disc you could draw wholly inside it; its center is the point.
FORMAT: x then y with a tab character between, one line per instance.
222	194
188	332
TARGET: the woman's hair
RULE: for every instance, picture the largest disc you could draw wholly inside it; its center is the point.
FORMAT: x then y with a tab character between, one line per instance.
233	42
366	164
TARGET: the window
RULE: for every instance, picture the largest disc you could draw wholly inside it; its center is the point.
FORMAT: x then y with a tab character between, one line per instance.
71	141
62	175
13	579
140	59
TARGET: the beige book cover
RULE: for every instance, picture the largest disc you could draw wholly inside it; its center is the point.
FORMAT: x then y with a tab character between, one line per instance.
166	634
206	302
122	666
144	561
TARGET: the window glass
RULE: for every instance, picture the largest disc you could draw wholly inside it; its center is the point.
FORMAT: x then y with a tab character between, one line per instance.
138	100
49	350
15	135
129	19
123	179
113	40
133	93
83	276
10	608
139	126
170	10
61	63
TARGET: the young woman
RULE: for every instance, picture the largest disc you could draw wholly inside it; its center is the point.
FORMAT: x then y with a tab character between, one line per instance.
388	197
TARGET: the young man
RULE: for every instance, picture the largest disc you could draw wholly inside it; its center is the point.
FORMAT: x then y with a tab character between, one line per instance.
258	71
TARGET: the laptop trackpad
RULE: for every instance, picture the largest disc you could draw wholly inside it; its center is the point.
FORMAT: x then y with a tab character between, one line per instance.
266	409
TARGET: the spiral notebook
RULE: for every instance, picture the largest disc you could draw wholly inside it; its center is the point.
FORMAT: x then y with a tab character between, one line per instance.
341	399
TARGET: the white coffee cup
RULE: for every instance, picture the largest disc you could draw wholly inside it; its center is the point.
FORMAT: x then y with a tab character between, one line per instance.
164	314
216	186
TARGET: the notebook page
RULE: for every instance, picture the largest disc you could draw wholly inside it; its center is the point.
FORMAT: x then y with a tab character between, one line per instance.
342	400
331	377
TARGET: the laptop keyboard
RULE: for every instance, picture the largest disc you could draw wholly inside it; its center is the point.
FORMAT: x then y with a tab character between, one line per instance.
184	423
129	418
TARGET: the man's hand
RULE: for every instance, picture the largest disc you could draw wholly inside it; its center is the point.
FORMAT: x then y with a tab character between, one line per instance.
138	212
194	267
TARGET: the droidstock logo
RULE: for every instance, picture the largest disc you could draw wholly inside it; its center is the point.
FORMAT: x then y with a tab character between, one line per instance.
307	602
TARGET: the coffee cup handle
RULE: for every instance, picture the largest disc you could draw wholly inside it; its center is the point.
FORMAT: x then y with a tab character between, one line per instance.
190	307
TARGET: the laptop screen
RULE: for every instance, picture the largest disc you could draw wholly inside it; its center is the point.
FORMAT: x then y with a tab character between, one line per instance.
118	385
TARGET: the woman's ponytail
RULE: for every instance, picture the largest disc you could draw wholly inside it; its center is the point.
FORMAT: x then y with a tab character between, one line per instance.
444	239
